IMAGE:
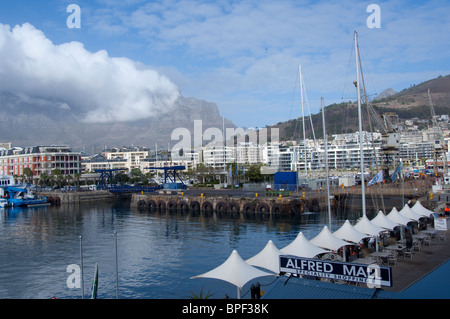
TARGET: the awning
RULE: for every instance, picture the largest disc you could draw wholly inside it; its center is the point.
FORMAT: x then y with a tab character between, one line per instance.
236	271
420	210
365	226
268	258
349	233
396	217
382	221
301	247
327	240
408	213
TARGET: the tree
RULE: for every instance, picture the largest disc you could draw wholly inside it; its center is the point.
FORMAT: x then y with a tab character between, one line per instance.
29	174
254	173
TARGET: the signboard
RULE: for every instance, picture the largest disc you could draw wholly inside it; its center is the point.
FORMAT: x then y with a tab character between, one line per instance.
373	275
441	223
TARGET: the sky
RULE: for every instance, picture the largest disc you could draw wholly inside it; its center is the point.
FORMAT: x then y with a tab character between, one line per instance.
130	59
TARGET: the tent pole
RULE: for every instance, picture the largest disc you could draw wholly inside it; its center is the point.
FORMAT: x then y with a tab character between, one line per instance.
238	293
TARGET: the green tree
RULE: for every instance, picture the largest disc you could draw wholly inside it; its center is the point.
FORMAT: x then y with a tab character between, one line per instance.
254	173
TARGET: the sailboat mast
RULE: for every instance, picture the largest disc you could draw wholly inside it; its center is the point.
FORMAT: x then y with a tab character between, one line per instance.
303	115
325	142
361	149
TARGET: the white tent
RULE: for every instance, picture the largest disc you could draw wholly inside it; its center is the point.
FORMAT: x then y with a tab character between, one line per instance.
327	240
408	213
365	226
301	247
349	233
398	218
236	271
382	221
419	209
268	258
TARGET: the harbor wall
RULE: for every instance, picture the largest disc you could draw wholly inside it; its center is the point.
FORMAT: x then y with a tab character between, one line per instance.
58	198
224	204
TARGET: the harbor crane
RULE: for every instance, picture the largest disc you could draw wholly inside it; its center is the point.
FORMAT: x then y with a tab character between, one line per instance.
440	148
390	137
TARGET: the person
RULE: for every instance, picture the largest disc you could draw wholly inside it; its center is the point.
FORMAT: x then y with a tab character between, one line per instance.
409	239
447	209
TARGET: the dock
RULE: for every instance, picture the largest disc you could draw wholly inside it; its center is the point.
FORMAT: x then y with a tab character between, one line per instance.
408	270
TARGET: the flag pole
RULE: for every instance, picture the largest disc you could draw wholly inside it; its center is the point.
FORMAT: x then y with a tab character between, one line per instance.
117	266
81	260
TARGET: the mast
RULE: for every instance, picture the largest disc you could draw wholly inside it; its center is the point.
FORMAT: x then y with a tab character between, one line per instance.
303	116
361	150
325	141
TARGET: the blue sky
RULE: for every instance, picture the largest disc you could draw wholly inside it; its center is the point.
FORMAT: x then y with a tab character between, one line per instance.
244	55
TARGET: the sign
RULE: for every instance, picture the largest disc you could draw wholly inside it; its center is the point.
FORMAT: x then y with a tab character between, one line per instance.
441	223
373	275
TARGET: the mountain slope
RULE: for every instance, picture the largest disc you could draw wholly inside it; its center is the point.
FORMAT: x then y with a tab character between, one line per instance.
343	118
26	121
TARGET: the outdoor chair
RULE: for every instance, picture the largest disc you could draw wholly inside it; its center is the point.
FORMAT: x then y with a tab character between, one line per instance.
392	259
409	252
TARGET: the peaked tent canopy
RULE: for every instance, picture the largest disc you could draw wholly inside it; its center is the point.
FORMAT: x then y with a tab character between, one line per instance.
382	221
408	213
365	226
398	218
268	258
349	233
236	271
301	247
327	240
419	209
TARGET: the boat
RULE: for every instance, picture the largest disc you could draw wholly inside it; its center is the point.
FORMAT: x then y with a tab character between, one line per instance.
21	196
3	202
17	196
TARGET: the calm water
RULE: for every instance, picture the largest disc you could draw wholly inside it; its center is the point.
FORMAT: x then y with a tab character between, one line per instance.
157	252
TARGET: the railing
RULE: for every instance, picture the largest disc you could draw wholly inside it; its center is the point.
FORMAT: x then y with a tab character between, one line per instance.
130	189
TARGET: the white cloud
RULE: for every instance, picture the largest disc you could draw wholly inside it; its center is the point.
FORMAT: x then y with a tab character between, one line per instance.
251	49
99	87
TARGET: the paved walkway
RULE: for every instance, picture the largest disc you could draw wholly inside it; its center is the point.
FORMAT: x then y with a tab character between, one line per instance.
408	271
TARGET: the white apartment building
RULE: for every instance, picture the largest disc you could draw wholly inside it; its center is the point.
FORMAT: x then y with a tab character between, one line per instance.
132	156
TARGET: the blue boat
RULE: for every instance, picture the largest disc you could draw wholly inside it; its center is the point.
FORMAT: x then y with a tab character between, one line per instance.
16	195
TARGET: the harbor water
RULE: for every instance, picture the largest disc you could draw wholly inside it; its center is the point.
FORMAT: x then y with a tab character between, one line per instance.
157	252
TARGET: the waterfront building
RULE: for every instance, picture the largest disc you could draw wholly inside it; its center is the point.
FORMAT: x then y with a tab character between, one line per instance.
131	155
40	160
100	162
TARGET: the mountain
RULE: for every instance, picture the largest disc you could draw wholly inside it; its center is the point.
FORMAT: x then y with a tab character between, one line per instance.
342	118
386	93
30	121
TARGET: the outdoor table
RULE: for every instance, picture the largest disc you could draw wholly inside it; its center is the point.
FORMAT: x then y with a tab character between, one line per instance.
430	232
380	255
420	237
365	261
398	248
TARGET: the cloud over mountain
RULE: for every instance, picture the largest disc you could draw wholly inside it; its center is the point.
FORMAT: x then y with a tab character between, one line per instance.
97	87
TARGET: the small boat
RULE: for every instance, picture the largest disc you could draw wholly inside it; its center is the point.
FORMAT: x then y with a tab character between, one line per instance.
3	202
17	196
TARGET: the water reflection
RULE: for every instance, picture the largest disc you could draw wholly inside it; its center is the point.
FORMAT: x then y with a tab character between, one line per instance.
158	251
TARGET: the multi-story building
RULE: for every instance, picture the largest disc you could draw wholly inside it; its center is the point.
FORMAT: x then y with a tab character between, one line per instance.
133	156
40	160
99	162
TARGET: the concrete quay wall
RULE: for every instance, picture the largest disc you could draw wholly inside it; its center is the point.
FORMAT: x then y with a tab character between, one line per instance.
57	198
